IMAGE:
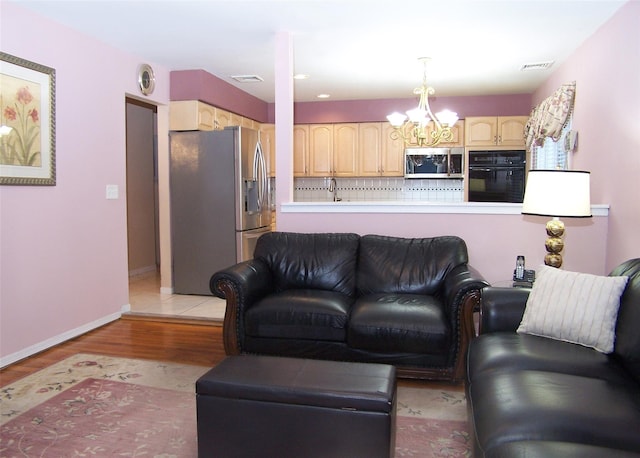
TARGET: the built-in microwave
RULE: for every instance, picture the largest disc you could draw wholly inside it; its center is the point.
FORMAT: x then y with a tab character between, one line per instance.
434	162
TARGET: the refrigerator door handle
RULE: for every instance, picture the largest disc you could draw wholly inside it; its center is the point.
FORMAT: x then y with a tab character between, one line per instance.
260	173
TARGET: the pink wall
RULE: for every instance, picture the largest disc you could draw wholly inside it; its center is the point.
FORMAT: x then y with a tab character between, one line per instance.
203	86
377	110
607	117
493	241
63	249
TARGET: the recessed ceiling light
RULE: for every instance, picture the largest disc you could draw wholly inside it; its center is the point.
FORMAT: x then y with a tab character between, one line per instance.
323	96
537	66
300	76
247	78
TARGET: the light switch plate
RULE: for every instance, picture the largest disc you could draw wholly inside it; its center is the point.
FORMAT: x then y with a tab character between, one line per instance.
112	191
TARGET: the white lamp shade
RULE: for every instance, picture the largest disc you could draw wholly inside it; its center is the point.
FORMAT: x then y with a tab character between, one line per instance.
419	116
447	117
396	119
557	193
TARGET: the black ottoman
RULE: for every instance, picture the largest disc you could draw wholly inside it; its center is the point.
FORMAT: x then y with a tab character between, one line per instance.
267	406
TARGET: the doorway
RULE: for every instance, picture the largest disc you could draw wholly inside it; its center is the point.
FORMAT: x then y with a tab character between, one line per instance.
142	188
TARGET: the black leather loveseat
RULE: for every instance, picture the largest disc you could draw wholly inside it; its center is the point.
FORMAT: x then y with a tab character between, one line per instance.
539	397
400	301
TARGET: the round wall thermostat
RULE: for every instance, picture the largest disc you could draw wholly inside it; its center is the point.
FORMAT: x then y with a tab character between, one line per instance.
146	79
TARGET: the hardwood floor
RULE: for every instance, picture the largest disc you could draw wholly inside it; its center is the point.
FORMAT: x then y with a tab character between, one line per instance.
182	342
186	343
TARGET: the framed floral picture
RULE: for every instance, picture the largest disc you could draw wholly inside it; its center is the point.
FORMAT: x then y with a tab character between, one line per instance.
27	122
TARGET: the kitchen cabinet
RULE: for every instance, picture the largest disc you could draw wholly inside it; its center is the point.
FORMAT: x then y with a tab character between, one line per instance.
268	141
333	150
197	115
378	153
320	150
300	150
191	115
345	150
457	130
495	131
223	118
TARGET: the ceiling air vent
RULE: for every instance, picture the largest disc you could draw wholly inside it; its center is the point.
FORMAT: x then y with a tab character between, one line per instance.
536	66
247	78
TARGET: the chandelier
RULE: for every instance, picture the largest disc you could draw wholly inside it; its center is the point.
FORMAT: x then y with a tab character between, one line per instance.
423	128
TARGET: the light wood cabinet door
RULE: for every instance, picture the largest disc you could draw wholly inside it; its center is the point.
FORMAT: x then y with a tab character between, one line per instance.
370	149
495	131
511	130
191	115
458	134
268	140
481	131
223	118
300	150
235	120
320	150
345	150
392	158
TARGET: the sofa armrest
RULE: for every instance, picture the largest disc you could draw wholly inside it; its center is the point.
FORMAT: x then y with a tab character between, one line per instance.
501	309
241	285
461	281
462	288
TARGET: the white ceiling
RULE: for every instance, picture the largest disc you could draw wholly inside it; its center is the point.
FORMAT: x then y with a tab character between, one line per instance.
352	49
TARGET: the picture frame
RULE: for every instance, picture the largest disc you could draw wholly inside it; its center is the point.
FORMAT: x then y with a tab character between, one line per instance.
27	122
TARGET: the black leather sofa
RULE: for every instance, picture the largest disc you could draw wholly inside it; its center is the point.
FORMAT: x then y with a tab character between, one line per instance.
532	396
405	302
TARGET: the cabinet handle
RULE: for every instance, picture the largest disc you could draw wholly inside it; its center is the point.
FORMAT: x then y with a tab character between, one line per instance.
499	139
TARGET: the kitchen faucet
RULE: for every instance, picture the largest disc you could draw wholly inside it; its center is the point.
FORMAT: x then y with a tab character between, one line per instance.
333	188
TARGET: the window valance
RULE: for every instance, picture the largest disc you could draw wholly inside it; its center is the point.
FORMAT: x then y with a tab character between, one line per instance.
549	117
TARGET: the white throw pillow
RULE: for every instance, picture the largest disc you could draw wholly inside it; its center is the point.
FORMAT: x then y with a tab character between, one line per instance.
574	307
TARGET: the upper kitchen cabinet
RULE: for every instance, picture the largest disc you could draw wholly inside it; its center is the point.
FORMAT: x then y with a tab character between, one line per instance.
224	118
458	134
495	131
268	141
379	154
333	150
191	115
345	150
300	150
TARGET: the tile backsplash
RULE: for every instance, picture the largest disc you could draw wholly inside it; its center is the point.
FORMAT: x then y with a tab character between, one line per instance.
378	189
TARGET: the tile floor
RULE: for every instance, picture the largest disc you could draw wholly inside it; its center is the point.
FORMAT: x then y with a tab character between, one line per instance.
145	299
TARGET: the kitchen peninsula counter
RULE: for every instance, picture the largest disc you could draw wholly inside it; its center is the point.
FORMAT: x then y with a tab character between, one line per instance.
481	208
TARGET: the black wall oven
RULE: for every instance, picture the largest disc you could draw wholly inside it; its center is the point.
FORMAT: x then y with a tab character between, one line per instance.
497	176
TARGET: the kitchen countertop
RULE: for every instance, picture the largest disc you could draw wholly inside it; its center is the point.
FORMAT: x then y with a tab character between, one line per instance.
482	208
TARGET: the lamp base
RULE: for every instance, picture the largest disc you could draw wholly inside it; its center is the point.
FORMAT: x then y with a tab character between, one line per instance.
554	243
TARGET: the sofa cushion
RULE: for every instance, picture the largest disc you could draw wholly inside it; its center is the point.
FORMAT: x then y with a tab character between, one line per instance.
399	323
310	261
547	406
507	352
627	336
554	449
300	314
409	266
574	307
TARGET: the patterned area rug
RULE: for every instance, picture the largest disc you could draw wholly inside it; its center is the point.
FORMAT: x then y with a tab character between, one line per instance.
90	405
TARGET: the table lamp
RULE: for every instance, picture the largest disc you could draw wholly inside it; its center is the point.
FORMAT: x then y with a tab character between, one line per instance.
559	194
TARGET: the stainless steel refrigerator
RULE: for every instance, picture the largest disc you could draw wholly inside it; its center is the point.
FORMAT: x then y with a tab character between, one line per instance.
219	203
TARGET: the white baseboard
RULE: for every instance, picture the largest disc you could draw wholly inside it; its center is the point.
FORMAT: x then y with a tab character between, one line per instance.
164	290
40	346
125	308
142	271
